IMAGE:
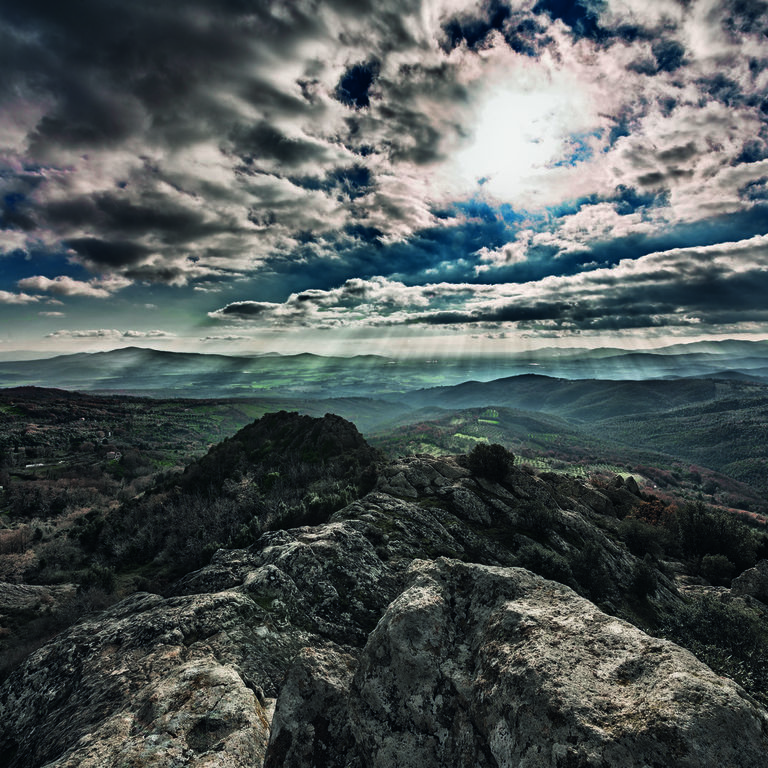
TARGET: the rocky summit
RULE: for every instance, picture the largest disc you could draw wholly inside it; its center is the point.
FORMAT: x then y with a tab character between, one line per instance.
400	631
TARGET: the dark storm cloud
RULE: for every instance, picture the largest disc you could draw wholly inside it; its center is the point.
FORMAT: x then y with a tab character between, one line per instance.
15	212
450	253
755	190
409	132
511	313
379	301
434	253
752	151
677	287
722	88
103	253
670	164
141	80
679	153
420	141
474	30
345	183
743	17
659	178
247	308
353	182
156	273
669	55
608	253
145	84
266	96
119	214
111	64
86	118
264	141
521	31
629	199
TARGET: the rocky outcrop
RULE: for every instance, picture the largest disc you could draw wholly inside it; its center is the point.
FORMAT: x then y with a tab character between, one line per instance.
155	677
752	583
552	523
479	666
199	714
397	632
25	597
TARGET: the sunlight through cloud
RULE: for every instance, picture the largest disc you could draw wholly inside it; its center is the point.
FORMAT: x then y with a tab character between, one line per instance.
522	131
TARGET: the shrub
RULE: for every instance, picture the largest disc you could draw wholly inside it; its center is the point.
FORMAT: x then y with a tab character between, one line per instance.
717	570
642	538
729	637
644	580
536	517
702	531
589	570
490	461
98	577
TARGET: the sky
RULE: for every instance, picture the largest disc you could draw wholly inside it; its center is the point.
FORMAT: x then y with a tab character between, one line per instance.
393	176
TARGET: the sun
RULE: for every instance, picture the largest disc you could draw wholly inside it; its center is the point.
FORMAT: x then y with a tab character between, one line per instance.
521	136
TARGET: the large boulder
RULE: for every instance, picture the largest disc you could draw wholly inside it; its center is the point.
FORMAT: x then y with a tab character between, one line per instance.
153	681
483	666
752	583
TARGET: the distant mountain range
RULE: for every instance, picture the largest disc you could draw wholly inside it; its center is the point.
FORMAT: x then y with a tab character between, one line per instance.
148	371
585	399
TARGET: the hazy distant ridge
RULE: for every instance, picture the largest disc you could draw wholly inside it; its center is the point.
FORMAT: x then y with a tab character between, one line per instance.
151	371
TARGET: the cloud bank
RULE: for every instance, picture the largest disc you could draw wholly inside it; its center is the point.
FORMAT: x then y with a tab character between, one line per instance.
530	163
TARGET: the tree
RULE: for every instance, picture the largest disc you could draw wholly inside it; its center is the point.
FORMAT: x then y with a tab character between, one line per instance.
490	461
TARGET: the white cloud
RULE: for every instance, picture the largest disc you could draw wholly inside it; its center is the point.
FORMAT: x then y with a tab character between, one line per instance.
6	297
683	286
109	333
514	252
225	338
99	288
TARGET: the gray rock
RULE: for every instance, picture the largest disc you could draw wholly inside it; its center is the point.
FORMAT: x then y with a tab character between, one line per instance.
326	580
147	676
200	714
481	666
398	485
20	597
226	569
311	723
421	475
752	583
631	485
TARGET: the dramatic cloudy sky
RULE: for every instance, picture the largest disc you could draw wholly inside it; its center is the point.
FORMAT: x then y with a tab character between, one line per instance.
381	175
